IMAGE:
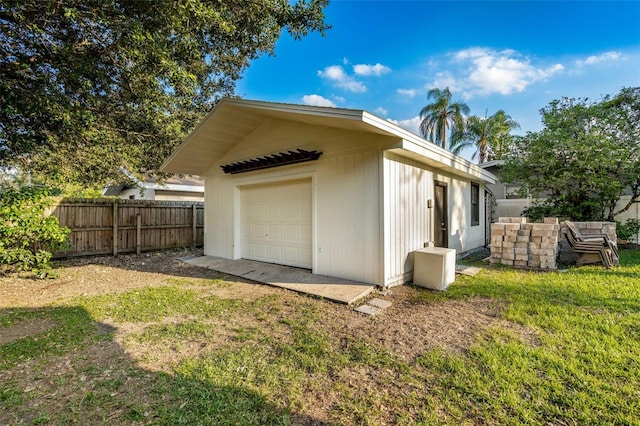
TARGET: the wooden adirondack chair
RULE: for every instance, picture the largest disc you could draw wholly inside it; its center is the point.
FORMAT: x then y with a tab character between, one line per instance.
597	248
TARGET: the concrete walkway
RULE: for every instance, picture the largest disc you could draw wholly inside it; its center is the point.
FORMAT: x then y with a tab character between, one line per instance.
296	279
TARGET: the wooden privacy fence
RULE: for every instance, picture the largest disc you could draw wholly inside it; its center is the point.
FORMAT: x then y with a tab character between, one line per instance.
106	226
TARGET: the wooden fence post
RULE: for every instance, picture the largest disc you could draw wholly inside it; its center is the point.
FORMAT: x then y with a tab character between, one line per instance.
138	234
115	227
194	225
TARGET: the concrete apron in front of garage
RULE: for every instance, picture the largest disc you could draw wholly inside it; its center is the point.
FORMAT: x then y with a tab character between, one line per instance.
296	279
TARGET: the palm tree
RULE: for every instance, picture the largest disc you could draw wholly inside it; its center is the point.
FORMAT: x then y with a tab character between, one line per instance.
491	136
440	115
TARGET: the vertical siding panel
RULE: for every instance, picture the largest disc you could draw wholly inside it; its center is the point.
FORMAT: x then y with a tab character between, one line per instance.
395	183
409	185
338	206
391	201
371	224
357	214
390	177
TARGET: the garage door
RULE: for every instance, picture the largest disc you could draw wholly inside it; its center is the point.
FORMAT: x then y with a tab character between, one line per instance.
276	223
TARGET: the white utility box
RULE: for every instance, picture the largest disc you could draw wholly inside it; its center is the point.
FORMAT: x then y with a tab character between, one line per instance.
434	267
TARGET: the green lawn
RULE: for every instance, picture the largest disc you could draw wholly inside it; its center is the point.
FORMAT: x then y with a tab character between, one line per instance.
190	352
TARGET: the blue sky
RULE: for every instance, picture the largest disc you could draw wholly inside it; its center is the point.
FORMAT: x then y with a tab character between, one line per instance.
383	57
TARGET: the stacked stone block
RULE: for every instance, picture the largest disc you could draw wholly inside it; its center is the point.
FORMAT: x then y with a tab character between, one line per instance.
515	242
586	228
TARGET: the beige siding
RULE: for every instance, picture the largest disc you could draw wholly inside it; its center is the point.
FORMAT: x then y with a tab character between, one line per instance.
219	218
164	195
348	231
354	186
346	196
408	221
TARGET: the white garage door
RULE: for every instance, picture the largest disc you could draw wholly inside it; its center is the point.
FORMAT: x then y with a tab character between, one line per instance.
276	223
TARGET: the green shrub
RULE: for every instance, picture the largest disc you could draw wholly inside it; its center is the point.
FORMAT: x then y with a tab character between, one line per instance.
28	236
627	230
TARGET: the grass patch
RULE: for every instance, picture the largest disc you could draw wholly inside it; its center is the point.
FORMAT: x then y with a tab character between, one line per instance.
182	331
74	329
586	369
285	359
153	304
213	282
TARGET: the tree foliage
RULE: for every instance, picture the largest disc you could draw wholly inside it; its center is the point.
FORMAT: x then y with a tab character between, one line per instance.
584	160
627	230
442	114
489	135
28	236
87	86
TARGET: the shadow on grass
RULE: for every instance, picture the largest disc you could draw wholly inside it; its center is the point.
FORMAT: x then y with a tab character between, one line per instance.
166	262
74	372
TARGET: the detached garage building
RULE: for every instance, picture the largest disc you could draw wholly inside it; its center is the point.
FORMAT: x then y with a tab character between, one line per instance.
338	191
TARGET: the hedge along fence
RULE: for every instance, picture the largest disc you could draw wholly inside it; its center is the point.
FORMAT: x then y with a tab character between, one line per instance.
112	226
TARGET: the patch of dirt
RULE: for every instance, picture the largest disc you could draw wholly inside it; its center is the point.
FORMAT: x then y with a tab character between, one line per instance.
91	276
24	329
410	327
414	328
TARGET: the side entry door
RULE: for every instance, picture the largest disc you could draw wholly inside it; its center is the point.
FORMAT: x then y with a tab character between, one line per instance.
441	215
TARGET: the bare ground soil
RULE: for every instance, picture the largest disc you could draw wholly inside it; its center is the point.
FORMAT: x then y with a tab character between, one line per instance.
407	329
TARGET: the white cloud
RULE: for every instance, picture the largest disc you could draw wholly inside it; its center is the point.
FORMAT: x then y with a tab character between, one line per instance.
381	111
446	79
367	70
409	93
317	100
484	71
606	57
336	74
410	124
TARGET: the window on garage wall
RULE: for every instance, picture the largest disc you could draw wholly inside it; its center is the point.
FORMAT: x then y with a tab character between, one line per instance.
475	204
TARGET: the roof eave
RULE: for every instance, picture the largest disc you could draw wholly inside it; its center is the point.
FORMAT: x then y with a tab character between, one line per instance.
410	144
437	158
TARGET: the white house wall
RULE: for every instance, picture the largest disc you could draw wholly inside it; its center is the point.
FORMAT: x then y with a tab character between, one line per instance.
138	194
408	224
632	213
346	196
462	235
219	217
408	220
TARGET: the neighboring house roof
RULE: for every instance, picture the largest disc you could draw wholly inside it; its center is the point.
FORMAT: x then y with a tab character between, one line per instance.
492	163
173	183
233	119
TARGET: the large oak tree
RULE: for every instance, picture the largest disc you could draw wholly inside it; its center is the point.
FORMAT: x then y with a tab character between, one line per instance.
88	86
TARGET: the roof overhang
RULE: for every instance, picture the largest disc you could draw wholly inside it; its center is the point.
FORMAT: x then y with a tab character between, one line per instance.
441	160
233	119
